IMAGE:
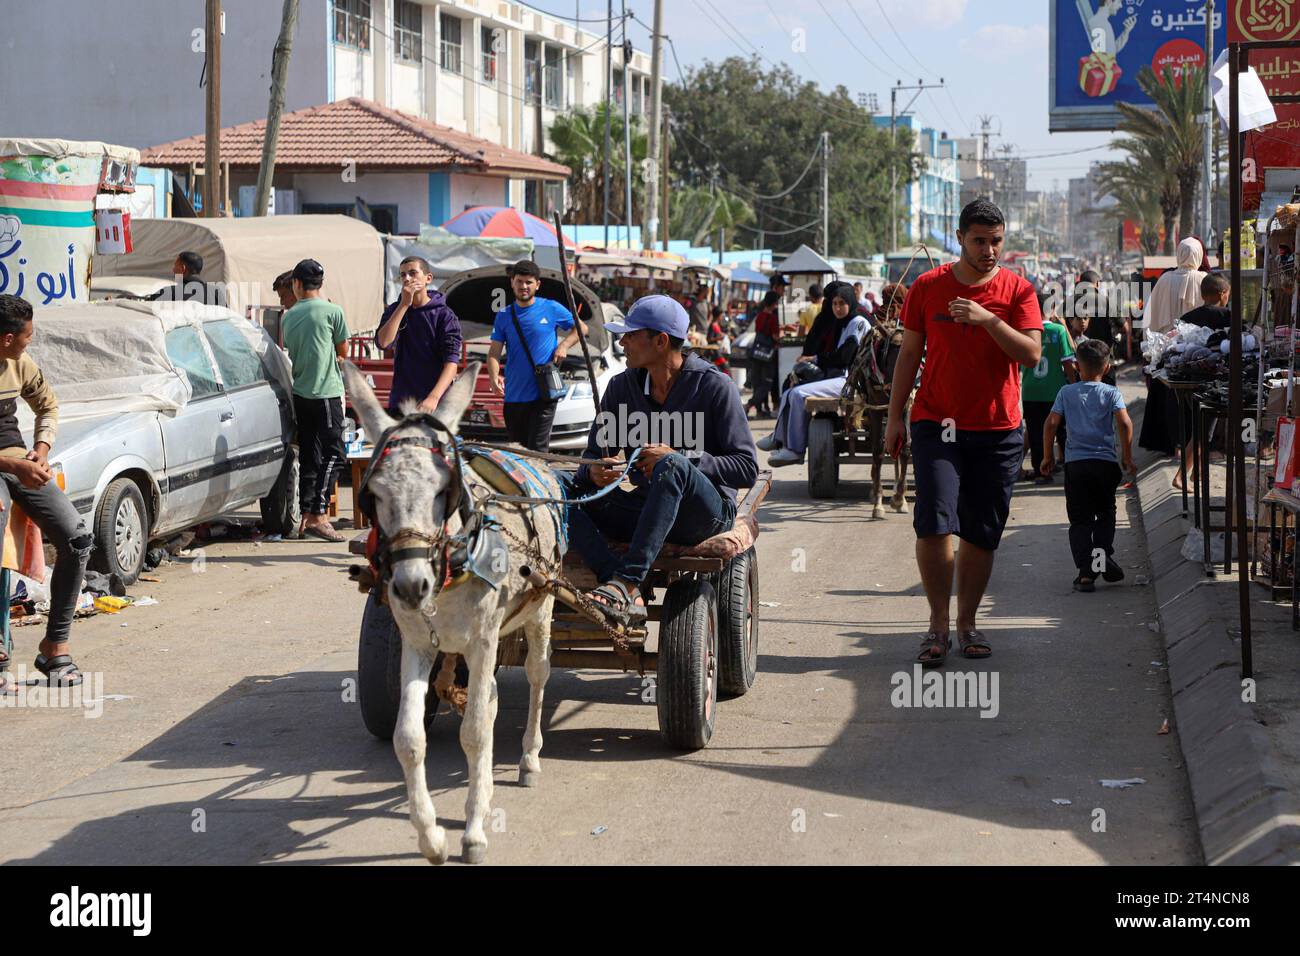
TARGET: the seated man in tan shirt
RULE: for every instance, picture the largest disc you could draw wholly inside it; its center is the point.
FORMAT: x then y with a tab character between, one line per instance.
25	477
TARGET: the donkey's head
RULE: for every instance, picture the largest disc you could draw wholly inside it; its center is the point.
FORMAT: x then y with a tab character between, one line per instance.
412	487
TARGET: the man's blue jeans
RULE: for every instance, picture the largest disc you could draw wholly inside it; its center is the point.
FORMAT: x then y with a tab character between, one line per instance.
680	505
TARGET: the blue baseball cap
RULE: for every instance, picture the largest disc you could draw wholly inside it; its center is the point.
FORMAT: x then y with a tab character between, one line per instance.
659	313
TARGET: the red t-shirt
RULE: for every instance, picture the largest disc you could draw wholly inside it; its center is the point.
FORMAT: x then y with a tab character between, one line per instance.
967	377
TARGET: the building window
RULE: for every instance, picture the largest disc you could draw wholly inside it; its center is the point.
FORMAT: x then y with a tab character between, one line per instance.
618	88
552	84
408	31
636	94
352	23
532	71
487	40
449	48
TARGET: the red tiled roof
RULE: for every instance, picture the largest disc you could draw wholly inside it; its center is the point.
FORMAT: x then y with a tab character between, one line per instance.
363	132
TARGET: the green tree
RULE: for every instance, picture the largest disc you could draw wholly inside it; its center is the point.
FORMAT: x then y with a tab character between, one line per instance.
755	134
1151	169
699	214
1130	185
1172	133
579	139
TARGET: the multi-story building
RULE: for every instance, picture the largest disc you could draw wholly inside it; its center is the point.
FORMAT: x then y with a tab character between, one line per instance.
494	69
930	205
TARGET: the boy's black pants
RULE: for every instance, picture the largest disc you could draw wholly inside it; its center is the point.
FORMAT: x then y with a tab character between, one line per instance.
1090	487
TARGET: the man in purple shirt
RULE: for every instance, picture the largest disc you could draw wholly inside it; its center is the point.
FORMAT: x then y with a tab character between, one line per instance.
425	336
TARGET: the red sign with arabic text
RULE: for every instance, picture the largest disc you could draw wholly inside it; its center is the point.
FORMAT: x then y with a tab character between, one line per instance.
1279	143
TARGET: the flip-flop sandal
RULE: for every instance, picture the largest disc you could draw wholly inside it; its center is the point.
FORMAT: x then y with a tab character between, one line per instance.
974	645
60	670
320	532
617	603
934	650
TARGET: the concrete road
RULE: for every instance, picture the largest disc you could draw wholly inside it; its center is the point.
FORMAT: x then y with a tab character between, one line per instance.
226	736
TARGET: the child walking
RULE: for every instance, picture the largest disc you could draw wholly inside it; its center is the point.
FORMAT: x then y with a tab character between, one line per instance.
1092	411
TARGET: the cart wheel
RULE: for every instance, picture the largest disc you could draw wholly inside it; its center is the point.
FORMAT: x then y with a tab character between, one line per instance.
737	589
379	671
823	463
687	684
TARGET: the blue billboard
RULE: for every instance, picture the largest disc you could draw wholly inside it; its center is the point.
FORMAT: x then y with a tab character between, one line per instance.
1098	47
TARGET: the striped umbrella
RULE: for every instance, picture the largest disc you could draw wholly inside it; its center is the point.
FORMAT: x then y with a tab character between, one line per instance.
503	222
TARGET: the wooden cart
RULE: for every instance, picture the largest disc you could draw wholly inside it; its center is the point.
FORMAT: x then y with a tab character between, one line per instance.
707	639
837	435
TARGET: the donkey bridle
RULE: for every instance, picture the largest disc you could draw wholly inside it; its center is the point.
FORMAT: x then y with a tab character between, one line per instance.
402	546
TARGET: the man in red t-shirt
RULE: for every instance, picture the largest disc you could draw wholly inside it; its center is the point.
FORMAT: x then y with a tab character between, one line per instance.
975	324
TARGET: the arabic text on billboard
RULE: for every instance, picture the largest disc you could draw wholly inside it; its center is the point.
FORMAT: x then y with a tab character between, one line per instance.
1099	46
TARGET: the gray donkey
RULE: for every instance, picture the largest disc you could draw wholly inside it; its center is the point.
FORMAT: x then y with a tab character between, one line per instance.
416	498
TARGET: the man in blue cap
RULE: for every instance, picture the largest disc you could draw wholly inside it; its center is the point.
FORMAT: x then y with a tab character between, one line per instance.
695	449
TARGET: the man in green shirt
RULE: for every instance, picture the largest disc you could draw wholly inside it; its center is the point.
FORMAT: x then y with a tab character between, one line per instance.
1039	385
315	336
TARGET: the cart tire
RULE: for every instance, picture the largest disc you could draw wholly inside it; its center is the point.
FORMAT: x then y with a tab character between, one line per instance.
737	590
379	671
687	677
823	463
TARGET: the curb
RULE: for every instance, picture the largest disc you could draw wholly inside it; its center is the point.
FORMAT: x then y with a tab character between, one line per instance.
1244	812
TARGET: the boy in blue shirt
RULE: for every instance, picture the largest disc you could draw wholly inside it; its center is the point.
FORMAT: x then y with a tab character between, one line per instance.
529	414
1092	412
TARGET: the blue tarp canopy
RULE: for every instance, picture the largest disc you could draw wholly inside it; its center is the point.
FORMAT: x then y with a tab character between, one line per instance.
746	274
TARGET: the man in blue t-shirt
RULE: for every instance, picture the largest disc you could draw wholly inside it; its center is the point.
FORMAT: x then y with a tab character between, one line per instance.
529	414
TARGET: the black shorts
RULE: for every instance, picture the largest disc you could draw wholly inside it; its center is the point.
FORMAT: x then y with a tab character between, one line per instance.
963	486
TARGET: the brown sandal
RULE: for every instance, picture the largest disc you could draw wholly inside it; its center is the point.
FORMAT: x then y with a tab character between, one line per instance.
934	649
974	645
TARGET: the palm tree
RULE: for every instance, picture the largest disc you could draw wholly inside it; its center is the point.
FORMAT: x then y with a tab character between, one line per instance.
1174	130
579	139
700	213
1130	185
1152	168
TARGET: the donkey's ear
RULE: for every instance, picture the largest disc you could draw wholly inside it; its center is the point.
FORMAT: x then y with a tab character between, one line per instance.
374	419
457	398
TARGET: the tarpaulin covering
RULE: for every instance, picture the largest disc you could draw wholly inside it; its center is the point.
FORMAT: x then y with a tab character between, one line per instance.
246	254
111	357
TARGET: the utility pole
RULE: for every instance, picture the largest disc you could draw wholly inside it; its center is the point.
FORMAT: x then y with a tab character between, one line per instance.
650	229
212	112
609	92
1207	187
921	87
667	141
279	67
627	130
826	194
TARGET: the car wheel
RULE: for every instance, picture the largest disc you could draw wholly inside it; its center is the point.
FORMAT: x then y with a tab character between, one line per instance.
121	531
281	513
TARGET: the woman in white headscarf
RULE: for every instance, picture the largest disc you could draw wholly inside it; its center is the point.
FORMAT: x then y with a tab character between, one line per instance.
1175	294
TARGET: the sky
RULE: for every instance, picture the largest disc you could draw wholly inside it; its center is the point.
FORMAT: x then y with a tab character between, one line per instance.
991	54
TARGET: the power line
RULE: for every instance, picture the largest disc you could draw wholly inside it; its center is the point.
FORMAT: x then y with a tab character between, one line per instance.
901	41
867	29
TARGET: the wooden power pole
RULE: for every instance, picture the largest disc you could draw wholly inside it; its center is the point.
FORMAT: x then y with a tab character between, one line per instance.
279	72
212	134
